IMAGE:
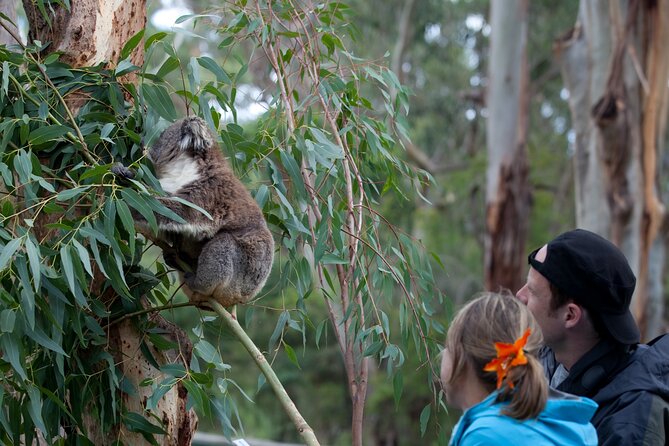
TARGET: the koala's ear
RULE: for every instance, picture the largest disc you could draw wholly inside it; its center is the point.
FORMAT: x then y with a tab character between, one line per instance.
195	135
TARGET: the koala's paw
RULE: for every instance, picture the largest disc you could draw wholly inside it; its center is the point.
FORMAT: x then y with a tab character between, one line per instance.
172	259
122	172
189	278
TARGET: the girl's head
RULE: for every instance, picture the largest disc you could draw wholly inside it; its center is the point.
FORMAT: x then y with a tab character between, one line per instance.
470	345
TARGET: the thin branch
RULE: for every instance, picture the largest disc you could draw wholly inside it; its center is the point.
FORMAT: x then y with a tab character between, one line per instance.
147	311
289	407
12	33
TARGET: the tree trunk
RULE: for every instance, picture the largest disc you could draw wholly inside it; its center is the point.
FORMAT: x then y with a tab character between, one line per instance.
8	8
507	194
619	107
94	31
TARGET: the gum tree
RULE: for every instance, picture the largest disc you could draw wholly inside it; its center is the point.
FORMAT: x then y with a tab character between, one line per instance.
86	351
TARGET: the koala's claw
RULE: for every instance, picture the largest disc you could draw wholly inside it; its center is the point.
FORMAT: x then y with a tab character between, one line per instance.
122	172
189	278
172	259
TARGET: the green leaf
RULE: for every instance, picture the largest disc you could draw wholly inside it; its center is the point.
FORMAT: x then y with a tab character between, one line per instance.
280	323
45	184
35	408
171	64
137	423
68	194
48	133
5	78
162	388
160	208
326	147
8	251
319	331
398	387
128	222
191	205
424	418
208	352
13	351
137	202
83	256
38	335
200	398
131	44
7	131
290	352
210	64
68	267
7	320
175	370
35	262
331	259
193	72
157	98
294	172
124	67
43	111
373	348
154	38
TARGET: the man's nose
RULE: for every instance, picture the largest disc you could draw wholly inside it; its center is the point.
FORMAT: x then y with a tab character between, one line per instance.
521	295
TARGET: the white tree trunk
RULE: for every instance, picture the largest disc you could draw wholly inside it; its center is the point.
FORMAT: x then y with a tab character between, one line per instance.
507	193
8	8
614	65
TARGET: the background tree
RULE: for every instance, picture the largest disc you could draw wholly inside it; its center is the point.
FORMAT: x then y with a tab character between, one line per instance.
507	191
114	369
8	8
619	111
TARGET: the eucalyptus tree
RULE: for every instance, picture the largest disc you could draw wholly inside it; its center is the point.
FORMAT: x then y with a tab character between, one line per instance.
507	191
87	355
615	65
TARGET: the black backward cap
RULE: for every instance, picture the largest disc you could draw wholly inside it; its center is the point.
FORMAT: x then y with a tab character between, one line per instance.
594	272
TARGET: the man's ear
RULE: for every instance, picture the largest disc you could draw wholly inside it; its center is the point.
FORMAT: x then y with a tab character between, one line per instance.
572	315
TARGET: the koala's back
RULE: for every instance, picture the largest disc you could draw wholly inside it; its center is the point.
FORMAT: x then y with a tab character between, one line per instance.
223	195
233	266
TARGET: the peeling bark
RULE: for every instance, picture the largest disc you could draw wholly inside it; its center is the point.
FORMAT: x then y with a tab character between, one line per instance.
655	106
125	342
507	197
93	31
623	46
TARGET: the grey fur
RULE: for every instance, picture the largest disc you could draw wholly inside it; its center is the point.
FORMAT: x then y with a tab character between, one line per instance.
231	254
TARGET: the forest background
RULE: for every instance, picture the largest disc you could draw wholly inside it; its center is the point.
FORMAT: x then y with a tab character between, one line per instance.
511	165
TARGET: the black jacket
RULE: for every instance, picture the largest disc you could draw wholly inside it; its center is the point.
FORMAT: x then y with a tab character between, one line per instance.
631	387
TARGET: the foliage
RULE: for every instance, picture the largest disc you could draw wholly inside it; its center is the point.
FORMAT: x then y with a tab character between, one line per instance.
72	263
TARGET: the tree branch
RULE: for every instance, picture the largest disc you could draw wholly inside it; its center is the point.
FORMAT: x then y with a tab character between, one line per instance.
288	405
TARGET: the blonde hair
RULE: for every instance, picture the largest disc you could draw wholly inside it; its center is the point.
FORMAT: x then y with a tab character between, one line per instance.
499	317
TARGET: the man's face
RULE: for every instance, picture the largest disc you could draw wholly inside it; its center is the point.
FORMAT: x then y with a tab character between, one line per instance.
536	294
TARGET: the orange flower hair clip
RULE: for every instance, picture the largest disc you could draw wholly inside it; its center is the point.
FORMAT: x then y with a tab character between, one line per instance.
508	356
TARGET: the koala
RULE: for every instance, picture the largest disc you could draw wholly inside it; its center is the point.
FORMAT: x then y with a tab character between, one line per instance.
231	255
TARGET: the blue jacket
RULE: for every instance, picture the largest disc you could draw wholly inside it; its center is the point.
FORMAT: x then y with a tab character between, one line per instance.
631	387
564	421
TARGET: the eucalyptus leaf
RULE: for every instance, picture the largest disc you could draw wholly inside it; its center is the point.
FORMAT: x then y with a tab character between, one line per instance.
8	251
49	133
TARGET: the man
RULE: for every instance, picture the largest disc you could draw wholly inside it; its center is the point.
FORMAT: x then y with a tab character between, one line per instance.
579	289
